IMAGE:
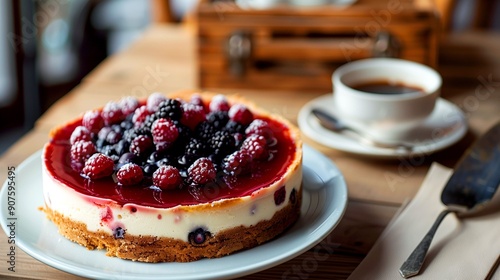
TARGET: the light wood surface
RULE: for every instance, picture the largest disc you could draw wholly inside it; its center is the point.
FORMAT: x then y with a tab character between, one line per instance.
373	199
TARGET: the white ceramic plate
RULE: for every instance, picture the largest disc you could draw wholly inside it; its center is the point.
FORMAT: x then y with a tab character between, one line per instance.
444	127
324	203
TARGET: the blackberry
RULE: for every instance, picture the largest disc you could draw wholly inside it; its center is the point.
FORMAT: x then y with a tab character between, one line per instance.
170	108
218	119
222	143
235	127
196	147
205	131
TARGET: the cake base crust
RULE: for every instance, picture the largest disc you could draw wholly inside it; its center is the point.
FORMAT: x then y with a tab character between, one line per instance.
161	249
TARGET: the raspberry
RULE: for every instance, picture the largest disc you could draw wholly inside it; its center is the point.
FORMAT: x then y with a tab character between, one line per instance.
279	196
255	146
154	101
240	114
167	177
170	108
236	163
202	171
219	103
192	115
140	115
80	133
128	105
93	121
129	174
82	150
141	145
259	127
98	166
197	100
164	130
112	113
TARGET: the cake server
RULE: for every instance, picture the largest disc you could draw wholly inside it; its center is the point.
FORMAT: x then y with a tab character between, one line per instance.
469	189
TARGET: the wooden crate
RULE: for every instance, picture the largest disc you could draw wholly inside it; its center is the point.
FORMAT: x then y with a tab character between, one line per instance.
289	48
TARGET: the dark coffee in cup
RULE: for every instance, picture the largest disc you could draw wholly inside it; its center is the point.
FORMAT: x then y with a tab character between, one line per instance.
386	87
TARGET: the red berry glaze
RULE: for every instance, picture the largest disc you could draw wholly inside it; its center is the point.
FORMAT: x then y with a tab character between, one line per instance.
167	177
202	171
129	174
98	166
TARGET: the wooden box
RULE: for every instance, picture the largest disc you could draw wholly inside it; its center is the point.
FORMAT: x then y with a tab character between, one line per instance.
291	48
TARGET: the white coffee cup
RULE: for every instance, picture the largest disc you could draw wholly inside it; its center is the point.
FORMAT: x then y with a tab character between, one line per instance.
385	117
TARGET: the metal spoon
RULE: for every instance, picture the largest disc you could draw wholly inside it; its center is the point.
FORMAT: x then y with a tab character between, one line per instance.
330	122
469	189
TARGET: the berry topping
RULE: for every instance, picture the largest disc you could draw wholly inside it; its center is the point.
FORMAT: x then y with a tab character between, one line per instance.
197	100
202	171
240	114
98	166
93	121
164	130
141	145
198	236
196	148
112	113
128	104
80	133
255	146
219	103
167	177
192	115
279	196
129	174
218	119
259	127
154	101
82	150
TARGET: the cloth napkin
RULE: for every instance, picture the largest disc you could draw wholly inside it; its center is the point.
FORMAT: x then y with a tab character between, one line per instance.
465	248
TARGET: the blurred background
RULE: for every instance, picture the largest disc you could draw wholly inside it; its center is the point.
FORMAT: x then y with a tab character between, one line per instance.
48	46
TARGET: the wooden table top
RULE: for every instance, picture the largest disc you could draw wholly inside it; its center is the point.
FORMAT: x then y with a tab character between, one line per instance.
164	60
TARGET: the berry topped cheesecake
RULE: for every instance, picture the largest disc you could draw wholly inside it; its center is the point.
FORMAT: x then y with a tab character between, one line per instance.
177	178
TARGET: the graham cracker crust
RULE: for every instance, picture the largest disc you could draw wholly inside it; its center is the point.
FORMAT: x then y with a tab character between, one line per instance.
161	249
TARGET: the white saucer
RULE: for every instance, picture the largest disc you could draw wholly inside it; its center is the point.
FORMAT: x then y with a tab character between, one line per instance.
444	127
323	204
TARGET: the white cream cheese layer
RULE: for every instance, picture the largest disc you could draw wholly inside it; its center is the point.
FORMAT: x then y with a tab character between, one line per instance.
176	222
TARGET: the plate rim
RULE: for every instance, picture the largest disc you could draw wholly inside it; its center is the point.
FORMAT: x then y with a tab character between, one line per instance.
425	149
334	217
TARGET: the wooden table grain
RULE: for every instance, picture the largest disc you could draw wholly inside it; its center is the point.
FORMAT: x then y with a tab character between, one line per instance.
164	60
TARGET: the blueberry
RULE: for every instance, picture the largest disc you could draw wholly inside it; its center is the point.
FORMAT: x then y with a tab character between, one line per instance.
293	196
122	147
149	169
198	236
279	196
127	158
119	233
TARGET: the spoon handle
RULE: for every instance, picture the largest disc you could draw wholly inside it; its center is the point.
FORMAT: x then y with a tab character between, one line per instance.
412	265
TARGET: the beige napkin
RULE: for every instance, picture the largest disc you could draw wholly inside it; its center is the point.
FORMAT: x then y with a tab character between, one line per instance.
461	249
